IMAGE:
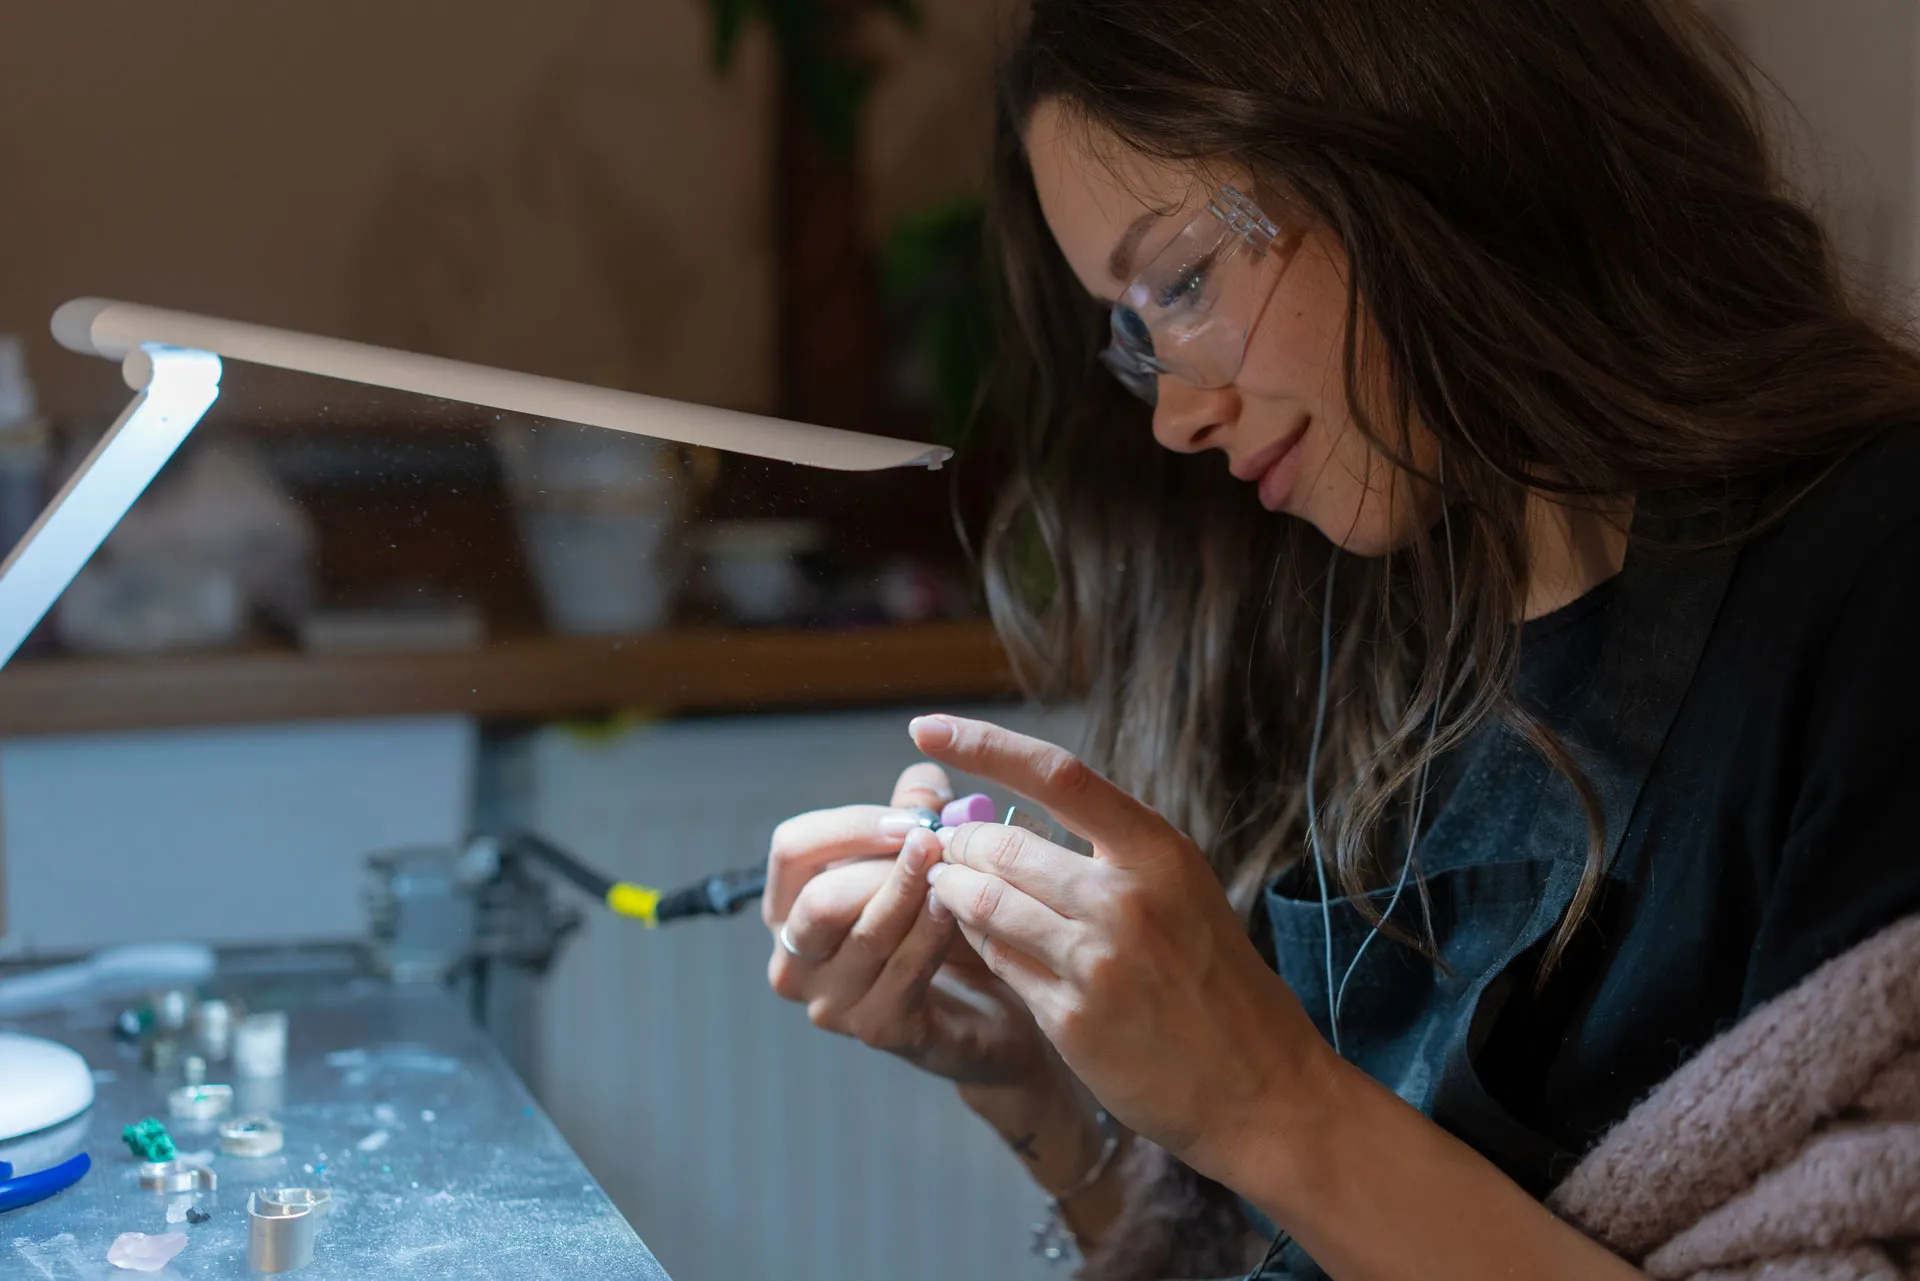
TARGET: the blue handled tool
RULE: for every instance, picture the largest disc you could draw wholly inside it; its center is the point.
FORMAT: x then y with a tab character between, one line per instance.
41	1184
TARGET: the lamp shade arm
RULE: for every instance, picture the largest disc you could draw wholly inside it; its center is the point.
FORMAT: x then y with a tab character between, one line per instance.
175	389
101	327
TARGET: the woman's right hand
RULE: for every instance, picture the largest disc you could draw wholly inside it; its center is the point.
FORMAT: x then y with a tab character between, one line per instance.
850	887
875	963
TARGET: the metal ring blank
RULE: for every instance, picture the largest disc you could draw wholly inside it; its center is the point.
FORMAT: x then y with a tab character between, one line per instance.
251	1136
201	1102
177	1176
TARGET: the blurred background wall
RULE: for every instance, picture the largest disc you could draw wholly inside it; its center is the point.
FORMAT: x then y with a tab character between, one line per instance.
570	188
1847	116
564	187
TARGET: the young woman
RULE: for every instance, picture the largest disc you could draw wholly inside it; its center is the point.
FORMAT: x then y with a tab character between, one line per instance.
1498	626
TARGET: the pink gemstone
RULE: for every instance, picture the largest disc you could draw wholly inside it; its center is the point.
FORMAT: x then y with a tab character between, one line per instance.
977	808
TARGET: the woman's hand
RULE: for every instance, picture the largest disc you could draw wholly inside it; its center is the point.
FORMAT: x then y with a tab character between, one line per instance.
875	963
1132	961
879	965
1140	974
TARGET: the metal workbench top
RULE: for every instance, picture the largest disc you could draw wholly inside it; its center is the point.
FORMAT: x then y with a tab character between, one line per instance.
440	1164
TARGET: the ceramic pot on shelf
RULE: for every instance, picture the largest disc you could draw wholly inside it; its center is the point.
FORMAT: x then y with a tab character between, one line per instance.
603	517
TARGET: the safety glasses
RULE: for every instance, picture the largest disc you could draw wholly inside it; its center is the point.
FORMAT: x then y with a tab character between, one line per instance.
1188	312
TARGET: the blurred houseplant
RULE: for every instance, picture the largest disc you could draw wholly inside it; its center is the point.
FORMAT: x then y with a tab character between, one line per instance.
821	69
833	330
934	277
886	333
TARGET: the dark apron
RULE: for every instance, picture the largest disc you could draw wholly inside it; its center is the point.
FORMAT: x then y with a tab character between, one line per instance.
1501	862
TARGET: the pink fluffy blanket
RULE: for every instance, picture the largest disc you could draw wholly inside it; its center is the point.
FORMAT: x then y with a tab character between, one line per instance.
1788	1149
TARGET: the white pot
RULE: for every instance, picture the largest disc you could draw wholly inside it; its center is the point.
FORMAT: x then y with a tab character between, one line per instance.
604	570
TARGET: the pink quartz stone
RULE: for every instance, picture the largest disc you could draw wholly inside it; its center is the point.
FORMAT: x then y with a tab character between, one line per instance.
138	1252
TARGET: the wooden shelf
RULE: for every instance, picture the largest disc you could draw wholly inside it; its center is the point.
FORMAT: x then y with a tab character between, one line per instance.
549	677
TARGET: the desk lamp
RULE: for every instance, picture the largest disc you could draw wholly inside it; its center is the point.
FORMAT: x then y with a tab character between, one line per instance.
172	361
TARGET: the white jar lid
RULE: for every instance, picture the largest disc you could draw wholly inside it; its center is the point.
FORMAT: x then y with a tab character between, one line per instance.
41	1085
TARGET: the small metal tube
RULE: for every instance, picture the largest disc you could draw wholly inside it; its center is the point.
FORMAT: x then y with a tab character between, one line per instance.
213	1028
260	1044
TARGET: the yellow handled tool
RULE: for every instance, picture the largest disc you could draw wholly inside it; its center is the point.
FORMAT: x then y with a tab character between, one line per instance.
721	895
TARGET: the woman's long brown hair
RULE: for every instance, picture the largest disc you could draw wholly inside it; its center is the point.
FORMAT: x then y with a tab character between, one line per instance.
1573	263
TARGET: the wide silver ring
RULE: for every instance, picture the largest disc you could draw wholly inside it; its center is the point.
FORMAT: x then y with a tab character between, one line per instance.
786	942
200	1102
177	1176
254	1135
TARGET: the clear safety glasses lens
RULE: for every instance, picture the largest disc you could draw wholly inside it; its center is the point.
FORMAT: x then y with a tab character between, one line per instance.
1129	357
1187	314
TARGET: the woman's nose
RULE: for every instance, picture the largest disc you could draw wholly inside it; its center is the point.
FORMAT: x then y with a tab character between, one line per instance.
1186	419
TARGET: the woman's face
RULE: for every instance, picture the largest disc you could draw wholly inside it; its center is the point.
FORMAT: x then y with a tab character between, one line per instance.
1283	422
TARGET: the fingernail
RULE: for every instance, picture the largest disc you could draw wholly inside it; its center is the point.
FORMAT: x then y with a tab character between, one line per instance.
898	824
931	731
933	873
945	837
936	909
913	857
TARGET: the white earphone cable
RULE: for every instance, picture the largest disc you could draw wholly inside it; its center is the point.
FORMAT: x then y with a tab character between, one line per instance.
1336	998
1313	768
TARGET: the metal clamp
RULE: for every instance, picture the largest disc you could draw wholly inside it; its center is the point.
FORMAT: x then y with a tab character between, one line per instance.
177	1176
254	1135
281	1226
201	1102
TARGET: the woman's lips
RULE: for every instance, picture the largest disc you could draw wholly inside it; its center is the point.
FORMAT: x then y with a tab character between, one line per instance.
1274	469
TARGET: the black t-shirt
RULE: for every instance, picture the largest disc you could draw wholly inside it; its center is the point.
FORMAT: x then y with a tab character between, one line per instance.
1776	827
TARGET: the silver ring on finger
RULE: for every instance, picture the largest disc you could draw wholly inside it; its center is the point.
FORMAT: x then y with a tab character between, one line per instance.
786	942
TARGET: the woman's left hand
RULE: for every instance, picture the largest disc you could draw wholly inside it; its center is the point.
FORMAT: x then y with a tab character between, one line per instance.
1132	961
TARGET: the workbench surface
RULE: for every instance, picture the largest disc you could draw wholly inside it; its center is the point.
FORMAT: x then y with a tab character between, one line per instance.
440	1163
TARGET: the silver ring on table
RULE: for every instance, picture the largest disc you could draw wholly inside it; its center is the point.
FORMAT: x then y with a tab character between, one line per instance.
786	942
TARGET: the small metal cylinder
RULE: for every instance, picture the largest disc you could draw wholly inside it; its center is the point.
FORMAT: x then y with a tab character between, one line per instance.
213	1028
171	1010
260	1045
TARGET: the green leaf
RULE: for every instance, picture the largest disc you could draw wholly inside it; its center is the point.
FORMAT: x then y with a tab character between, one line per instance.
908	11
923	244
832	93
832	89
729	21
1035	574
933	266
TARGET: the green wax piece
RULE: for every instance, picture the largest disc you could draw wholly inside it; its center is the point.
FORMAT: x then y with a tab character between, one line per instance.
149	1141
